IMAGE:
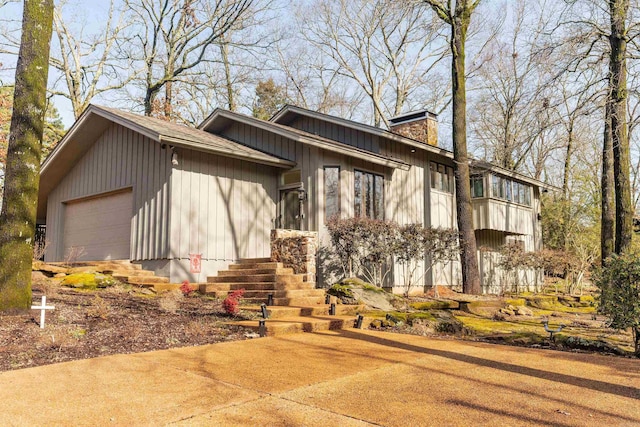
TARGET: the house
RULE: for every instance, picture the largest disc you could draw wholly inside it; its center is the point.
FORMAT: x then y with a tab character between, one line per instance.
124	186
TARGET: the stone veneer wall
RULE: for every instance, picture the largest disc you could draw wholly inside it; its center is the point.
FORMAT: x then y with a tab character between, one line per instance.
296	249
421	130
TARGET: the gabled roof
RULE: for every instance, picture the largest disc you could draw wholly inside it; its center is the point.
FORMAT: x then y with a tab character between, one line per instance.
289	112
96	119
220	119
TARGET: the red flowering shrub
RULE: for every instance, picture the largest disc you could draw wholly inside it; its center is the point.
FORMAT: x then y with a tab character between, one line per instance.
230	303
186	288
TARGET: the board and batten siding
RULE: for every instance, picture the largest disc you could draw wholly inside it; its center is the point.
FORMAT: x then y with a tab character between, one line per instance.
120	159
221	208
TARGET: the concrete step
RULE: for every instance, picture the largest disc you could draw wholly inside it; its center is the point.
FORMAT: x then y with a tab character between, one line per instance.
250	278
291	325
250	266
251	271
253	260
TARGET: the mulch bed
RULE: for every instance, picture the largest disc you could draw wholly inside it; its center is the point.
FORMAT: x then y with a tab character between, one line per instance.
117	320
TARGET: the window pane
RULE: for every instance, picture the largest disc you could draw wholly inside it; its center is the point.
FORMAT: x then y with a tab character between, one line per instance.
358	194
451	180
368	195
527	195
379	197
477	186
331	192
434	175
444	179
508	187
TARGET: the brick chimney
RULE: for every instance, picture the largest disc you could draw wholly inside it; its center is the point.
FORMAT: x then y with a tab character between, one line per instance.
419	125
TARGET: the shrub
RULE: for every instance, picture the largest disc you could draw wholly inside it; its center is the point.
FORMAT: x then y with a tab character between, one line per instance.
619	284
230	303
367	247
429	245
186	288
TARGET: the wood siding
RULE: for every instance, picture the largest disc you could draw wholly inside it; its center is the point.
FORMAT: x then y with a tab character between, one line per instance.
342	134
119	159
221	208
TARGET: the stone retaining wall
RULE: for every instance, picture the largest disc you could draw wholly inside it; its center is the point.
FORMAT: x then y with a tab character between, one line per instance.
296	249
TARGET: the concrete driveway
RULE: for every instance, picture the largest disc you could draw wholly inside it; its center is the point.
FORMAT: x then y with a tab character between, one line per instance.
341	378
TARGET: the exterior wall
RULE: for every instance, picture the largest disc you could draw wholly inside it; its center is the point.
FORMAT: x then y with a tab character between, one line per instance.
220	208
119	159
408	194
342	134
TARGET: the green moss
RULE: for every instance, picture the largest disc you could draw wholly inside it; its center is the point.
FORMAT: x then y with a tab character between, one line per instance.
89	281
434	305
516	302
340	290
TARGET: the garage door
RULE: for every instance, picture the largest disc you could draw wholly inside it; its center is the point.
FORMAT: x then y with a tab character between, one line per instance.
102	226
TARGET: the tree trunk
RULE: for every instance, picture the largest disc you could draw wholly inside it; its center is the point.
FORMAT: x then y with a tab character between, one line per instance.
566	204
231	100
18	217
618	92
464	210
607	202
168	100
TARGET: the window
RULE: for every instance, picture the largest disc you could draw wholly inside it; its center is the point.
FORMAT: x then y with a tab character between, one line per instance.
477	186
369	195
512	191
441	177
331	191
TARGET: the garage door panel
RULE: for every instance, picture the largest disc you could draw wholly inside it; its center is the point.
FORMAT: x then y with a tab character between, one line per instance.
102	226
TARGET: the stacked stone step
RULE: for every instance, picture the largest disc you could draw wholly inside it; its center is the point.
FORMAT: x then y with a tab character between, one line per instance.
289	320
260	277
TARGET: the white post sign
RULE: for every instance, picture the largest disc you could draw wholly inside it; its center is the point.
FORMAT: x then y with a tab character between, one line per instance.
43	307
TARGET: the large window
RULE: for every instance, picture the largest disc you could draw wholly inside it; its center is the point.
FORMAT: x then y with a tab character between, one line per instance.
477	186
369	195
512	191
441	177
331	191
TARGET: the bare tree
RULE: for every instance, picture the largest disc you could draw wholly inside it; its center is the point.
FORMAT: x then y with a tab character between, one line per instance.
458	17
87	62
173	37
18	216
512	102
388	48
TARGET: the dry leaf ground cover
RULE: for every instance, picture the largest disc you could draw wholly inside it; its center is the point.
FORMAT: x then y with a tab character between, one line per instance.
117	319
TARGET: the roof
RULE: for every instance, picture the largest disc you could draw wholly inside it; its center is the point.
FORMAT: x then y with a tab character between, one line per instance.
289	112
220	119
95	120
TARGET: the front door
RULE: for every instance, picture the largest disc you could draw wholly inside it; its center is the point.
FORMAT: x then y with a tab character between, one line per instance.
290	213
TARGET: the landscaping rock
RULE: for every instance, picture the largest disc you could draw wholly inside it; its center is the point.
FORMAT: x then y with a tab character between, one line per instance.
523	311
47	269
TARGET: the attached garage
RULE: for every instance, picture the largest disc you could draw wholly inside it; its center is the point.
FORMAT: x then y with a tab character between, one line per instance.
100	227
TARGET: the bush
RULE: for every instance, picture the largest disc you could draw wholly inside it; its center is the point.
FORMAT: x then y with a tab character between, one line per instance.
230	303
619	284
368	247
186	288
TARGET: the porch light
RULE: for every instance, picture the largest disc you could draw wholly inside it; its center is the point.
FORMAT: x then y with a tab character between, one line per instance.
174	156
